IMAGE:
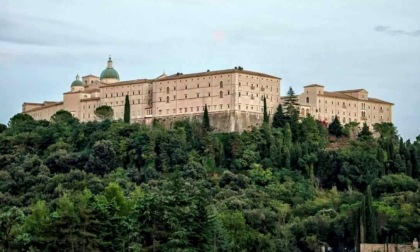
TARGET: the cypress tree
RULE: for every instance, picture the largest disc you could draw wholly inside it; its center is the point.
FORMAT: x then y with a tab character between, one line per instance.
206	119
365	131
266	118
279	118
370	218
335	127
127	110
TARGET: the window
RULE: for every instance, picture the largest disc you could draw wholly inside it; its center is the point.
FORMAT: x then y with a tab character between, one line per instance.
239	94
221	84
221	94
167	90
307	99
198	85
185	96
160	98
186	87
167	99
198	95
228	92
209	94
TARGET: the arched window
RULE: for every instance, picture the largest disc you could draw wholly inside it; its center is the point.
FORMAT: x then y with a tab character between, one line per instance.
167	90
307	99
221	94
221	84
302	112
167	99
307	111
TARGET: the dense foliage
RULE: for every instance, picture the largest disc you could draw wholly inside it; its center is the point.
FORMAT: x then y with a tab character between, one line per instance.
113	186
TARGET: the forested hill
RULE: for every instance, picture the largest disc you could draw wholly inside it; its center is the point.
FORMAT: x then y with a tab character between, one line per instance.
113	186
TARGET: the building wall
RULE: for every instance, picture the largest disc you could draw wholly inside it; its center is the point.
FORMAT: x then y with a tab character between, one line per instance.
45	112
358	107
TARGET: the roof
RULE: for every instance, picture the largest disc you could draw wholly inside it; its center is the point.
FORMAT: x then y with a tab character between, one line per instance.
379	101
181	76
313	85
32	103
47	105
110	73
90	75
352	90
120	83
338	95
342	95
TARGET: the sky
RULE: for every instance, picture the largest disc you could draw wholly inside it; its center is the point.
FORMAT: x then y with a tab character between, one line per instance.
346	44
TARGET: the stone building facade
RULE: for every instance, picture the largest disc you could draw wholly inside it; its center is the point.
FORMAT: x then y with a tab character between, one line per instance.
348	105
234	97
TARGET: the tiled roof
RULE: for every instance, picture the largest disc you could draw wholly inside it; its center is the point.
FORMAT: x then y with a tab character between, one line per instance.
121	83
44	106
352	90
340	94
181	76
313	85
379	101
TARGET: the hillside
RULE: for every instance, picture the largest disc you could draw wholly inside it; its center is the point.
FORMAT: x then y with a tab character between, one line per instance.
112	186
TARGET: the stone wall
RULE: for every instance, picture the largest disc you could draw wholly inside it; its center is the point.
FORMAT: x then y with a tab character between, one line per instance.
226	121
364	247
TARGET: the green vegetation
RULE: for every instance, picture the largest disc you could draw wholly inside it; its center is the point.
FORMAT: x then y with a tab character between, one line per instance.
112	186
127	112
104	112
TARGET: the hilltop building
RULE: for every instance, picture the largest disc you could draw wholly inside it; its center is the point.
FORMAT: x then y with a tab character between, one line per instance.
348	105
234	97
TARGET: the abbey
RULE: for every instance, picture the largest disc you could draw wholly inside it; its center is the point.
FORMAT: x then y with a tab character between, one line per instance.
234	98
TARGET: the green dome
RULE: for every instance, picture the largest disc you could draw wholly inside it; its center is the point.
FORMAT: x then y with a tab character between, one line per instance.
77	82
110	72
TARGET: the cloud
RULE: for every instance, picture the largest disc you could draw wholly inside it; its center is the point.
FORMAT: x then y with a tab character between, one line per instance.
393	32
25	30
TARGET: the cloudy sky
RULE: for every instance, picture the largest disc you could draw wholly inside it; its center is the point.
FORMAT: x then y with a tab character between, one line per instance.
346	44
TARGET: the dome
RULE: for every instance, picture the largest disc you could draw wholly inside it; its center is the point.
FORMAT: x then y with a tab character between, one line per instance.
110	72
77	82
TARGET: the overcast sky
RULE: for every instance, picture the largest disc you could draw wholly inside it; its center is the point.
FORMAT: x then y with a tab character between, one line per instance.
346	44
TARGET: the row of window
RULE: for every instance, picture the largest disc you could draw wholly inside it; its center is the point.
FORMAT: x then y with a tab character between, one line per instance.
363	105
116	94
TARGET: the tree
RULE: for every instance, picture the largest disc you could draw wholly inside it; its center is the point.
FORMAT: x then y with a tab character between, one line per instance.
206	119
63	116
127	110
266	118
104	112
335	127
279	118
291	100
365	131
3	127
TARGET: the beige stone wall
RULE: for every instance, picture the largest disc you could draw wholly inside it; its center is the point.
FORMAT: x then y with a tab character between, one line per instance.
326	107
87	109
140	96
89	80
220	121
364	247
45	112
252	89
